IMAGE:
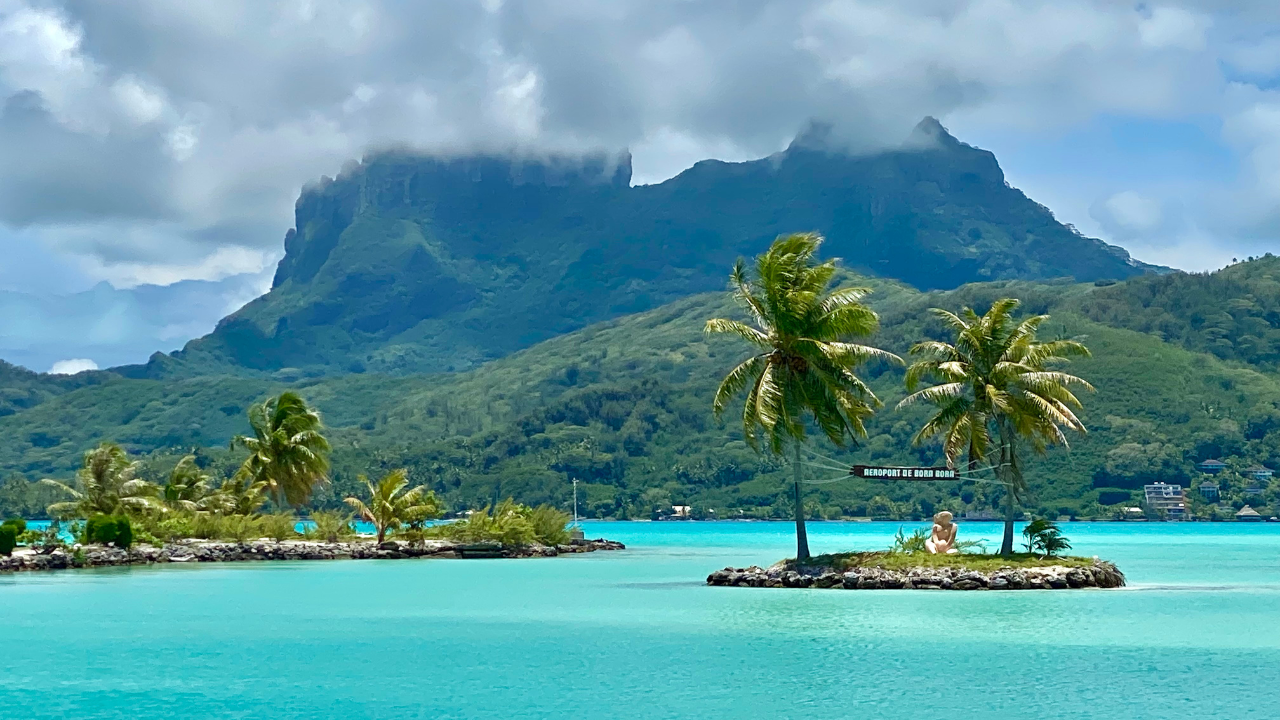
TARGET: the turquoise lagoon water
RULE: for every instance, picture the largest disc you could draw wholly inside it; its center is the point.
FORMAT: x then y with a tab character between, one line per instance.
637	635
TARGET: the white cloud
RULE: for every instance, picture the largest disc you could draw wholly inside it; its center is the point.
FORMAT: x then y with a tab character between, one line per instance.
1259	57
116	327
1193	251
1172	27
40	53
140	104
224	262
1134	212
71	367
159	141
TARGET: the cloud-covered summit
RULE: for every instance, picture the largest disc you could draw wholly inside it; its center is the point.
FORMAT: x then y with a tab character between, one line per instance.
149	141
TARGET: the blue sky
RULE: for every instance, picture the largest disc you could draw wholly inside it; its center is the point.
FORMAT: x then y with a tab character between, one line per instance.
158	146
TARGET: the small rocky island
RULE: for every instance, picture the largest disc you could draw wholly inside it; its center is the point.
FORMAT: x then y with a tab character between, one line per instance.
197	551
884	571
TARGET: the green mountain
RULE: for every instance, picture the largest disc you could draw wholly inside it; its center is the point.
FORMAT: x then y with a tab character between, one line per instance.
22	389
623	406
408	264
566	307
1233	314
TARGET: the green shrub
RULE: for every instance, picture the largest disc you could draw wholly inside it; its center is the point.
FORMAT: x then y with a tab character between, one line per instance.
279	526
511	523
206	526
240	528
124	532
8	539
18	524
233	528
330	526
910	544
1044	536
175	527
100	529
550	526
109	530
145	537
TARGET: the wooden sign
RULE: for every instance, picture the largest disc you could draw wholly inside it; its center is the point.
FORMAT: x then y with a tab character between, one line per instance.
874	472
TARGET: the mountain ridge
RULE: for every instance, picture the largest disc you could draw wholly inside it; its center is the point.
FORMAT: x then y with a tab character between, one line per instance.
412	263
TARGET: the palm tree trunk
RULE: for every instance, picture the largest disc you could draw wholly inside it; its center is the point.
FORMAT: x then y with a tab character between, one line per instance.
1006	545
802	537
1006	473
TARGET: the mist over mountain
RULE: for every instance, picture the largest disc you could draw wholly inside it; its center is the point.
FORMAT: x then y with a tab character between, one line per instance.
110	326
409	263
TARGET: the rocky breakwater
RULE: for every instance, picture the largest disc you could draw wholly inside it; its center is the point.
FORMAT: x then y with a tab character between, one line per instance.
1101	574
203	552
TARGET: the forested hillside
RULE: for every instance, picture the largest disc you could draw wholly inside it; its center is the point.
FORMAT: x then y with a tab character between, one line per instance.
503	326
22	389
1233	314
624	406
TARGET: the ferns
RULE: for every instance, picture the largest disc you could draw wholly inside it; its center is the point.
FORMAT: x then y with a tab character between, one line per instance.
910	544
330	526
511	523
550	526
279	526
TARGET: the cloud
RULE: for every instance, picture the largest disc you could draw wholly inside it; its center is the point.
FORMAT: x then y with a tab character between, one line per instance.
1172	27
154	141
114	326
1129	213
71	367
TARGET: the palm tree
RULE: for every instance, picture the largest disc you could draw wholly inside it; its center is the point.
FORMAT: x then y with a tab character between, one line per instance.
391	506
188	487
803	366
996	379
287	453
105	484
239	496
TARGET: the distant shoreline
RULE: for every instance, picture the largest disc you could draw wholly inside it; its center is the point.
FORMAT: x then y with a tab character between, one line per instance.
92	556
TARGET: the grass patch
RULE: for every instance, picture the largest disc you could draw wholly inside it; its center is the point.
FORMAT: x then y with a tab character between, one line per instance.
841	562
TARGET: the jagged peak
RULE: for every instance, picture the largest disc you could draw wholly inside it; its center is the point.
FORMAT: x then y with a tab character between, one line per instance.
929	133
821	136
816	136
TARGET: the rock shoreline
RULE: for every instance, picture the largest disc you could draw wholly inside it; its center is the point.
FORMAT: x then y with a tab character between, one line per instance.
260	550
1101	574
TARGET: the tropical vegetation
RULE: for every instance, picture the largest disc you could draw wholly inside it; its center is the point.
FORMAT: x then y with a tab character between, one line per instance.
8	538
286	459
510	523
1045	537
996	384
804	363
449	333
288	454
978	562
390	506
105	485
104	529
623	407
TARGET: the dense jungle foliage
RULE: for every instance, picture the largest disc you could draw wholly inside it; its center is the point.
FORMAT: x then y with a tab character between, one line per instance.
624	407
